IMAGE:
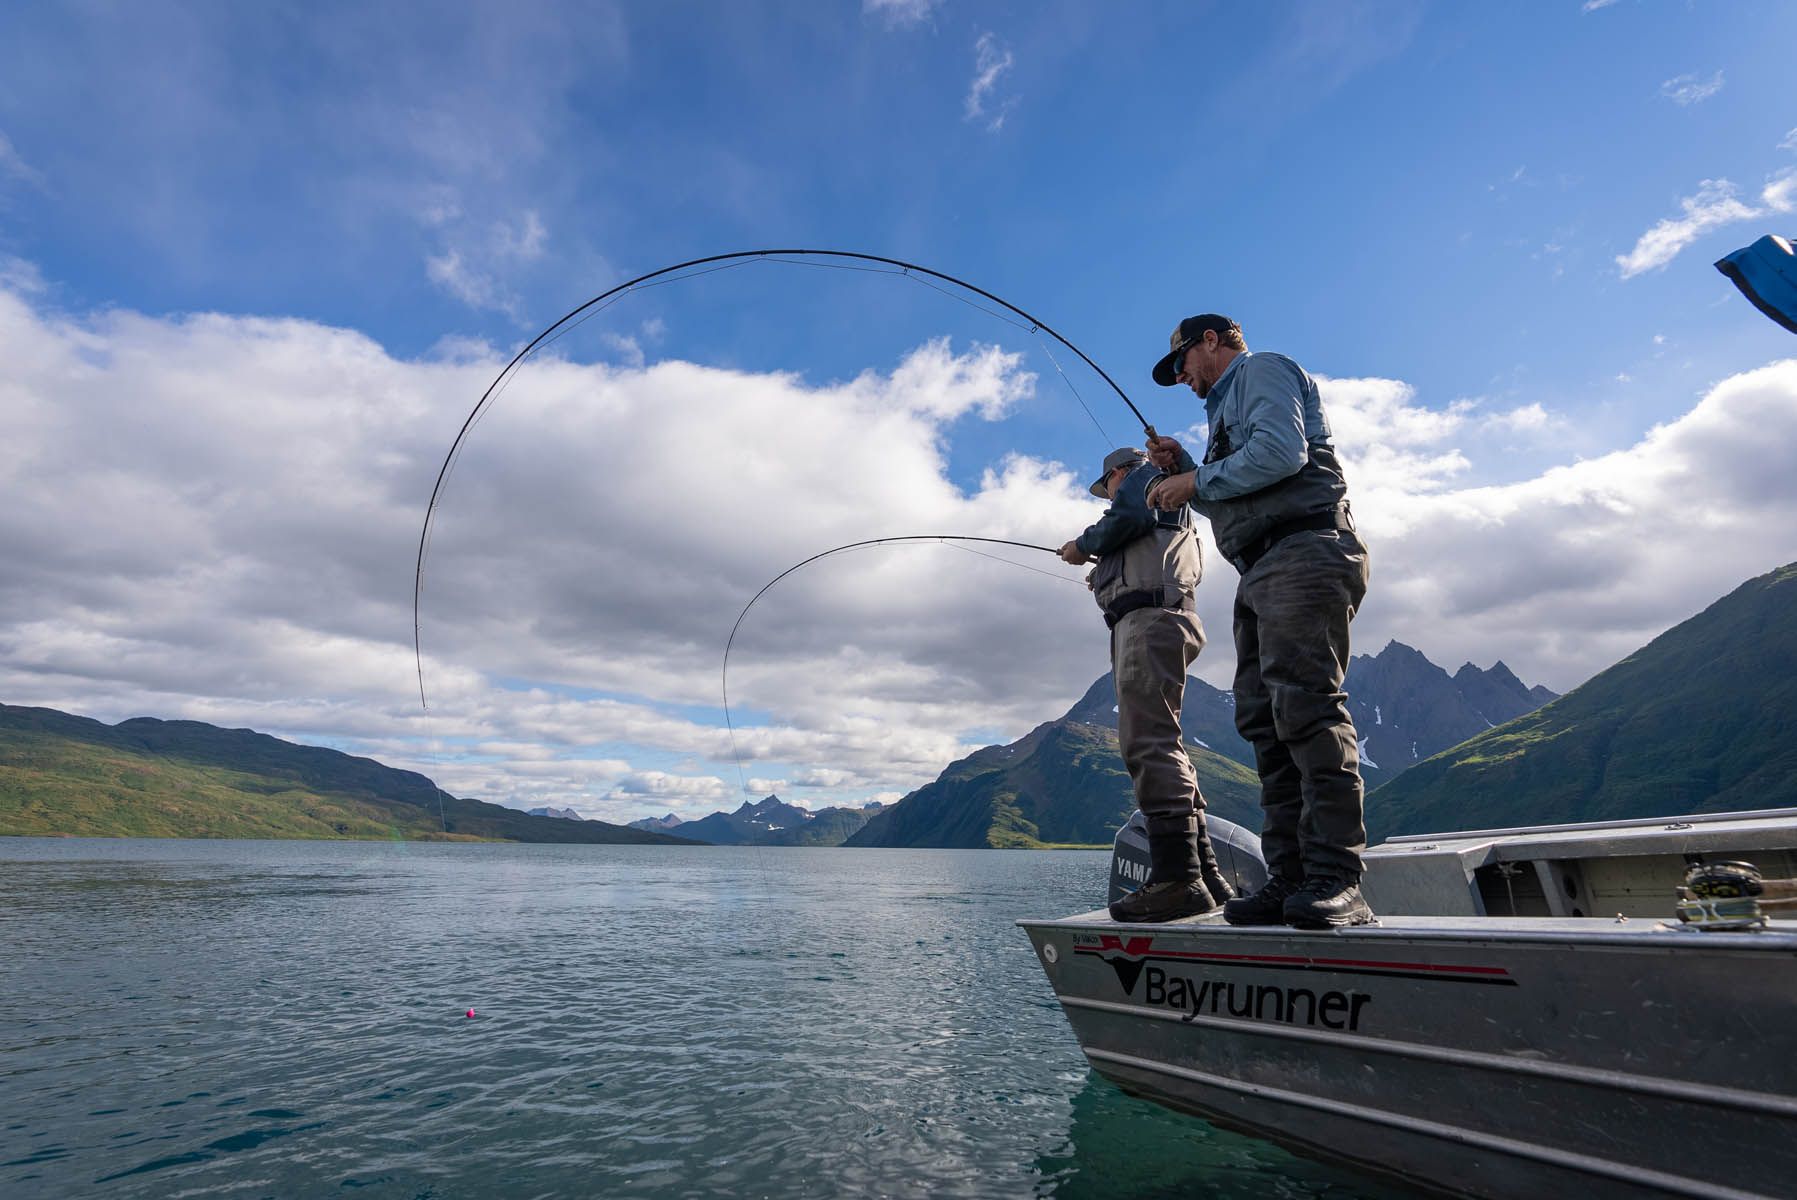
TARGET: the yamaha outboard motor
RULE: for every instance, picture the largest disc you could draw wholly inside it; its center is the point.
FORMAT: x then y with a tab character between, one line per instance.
1238	853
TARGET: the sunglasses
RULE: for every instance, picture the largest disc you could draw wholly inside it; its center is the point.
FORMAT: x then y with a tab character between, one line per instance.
1179	354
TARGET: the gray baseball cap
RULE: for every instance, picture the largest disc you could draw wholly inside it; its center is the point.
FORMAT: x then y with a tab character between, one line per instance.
1122	457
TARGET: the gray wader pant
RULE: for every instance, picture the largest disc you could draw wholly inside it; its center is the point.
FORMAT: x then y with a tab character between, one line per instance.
1292	610
1151	648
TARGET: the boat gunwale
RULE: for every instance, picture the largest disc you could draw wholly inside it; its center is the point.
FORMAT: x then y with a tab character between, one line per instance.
1779	935
1645	824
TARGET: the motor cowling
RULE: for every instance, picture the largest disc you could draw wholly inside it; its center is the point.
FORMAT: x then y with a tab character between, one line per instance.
1238	854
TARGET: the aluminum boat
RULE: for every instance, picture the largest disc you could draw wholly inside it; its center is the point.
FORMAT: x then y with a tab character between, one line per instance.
1529	1014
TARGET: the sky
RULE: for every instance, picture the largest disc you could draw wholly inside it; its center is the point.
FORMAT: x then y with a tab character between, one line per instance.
258	263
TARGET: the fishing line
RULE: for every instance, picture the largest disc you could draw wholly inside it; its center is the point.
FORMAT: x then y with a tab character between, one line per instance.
680	272
579	314
1148	429
913	539
1010	561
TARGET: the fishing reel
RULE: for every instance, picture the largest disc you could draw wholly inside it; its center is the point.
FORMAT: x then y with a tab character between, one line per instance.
1722	896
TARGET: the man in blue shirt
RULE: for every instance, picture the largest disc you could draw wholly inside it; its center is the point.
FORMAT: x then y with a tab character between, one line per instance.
1148	569
1277	501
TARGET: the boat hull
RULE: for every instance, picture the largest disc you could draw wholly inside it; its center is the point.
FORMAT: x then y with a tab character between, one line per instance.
1472	1056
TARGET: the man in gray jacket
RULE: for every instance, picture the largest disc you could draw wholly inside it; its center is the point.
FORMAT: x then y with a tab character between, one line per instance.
1148	567
1278	506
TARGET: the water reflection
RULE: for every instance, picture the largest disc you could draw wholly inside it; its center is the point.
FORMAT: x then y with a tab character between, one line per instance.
1118	1146
239	1018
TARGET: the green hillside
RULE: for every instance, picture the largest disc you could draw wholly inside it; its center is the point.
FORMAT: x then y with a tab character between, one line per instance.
1695	721
1063	783
829	827
62	774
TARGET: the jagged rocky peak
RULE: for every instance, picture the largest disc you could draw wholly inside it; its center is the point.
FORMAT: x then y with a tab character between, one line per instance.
565	814
1499	673
1406	708
772	808
1098	706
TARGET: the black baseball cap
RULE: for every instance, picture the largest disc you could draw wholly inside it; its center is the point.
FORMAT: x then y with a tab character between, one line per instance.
1190	330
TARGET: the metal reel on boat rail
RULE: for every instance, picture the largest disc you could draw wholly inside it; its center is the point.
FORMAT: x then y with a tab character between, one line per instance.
1723	896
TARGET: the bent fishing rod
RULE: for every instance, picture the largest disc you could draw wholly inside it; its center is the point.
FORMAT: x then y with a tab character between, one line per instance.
904	539
711	262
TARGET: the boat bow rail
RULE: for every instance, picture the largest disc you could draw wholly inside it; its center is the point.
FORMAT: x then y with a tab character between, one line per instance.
1595	869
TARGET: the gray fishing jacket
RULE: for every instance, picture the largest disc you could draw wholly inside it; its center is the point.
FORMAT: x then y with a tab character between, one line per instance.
1269	459
1141	550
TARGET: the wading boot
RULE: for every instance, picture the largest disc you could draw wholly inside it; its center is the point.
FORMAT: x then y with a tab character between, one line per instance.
1265	907
1209	869
1324	903
1173	888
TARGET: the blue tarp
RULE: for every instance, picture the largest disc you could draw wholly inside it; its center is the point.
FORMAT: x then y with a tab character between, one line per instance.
1766	273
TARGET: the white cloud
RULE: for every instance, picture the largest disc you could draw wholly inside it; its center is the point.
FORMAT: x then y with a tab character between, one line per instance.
1715	205
630	351
471	287
1789	142
1529	418
12	166
19	276
1401	447
1780	196
1593	5
1566	556
824	777
901	14
663	786
215	518
991	59
1689	89
475	268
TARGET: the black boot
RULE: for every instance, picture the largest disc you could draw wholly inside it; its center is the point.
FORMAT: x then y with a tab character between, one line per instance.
1173	889
1324	903
1265	907
1209	869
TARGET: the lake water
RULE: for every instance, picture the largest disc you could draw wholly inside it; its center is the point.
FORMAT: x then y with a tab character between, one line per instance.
289	1019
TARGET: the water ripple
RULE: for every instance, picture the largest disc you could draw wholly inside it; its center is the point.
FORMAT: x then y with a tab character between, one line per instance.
249	1018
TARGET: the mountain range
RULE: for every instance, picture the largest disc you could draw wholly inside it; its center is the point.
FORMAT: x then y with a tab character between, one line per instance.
63	774
1692	722
1063	783
1405	708
767	822
1695	721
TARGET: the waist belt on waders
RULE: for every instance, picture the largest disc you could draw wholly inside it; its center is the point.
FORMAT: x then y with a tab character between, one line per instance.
1257	549
1161	597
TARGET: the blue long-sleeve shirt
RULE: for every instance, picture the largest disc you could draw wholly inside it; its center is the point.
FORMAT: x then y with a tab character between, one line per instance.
1262	415
1127	519
1269	459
